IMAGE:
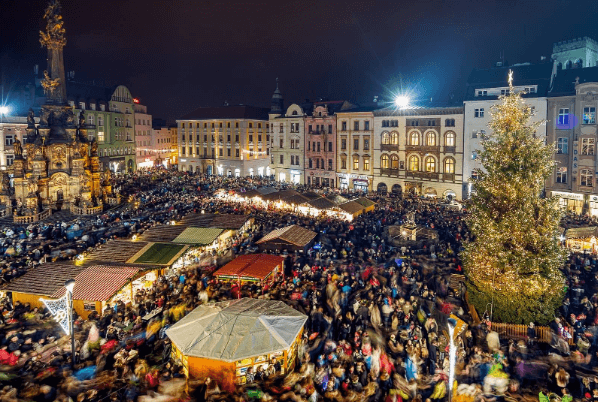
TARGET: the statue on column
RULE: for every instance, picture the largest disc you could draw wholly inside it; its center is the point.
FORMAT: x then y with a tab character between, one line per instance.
18	149
94	148
30	119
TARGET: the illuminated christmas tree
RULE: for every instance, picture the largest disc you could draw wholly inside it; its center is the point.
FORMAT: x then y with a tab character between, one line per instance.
513	262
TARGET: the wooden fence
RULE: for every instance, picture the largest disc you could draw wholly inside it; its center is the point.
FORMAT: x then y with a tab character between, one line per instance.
519	331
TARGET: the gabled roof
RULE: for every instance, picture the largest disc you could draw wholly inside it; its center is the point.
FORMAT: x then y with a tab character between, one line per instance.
293	234
321	203
99	282
523	74
582	233
256	266
237	329
351	207
337	199
366	202
198	236
228	112
44	280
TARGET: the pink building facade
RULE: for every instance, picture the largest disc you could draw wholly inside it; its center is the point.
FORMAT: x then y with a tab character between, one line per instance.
320	146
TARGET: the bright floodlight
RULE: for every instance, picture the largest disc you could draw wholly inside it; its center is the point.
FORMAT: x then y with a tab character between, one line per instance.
402	101
70	285
4	109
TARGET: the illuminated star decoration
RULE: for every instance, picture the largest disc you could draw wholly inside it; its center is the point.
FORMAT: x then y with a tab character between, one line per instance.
510	78
60	311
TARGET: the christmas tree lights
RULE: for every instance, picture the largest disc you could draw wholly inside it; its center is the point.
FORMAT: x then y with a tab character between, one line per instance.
514	260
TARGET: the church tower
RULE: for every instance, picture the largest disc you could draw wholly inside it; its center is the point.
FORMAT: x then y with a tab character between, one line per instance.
277	101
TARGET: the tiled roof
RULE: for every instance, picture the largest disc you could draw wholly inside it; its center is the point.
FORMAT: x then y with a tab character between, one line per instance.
582	233
158	254
44	280
99	282
115	251
228	112
221	221
337	199
564	82
257	266
366	202
198	236
292	234
162	233
351	207
321	203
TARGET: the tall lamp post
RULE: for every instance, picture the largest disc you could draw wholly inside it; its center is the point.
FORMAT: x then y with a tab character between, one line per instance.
70	285
452	323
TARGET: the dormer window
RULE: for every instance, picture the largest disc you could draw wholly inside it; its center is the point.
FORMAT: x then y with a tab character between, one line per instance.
82	105
92	106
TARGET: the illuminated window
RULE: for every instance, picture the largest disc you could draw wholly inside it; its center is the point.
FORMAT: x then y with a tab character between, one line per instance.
449	165
588	146
356	163
589	115
385	139
430	164
394	162
394	138
561	175
586	178
366	163
413	163
414	138
449	139
431	139
385	162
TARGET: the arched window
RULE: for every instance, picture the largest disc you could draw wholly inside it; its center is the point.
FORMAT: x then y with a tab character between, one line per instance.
413	163
578	64
586	178
384	162
385	138
294	113
449	139
430	139
394	138
568	65
414	138
90	120
449	165
559	65
394	162
430	164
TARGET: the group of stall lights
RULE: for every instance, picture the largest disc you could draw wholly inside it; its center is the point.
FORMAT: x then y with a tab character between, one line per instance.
259	153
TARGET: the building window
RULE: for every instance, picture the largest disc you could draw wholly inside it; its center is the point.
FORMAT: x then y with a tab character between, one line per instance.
329	164
449	165
330	129
384	161
343	144
9	140
385	139
562	145
505	92
385	123
356	125
183	151
474	155
356	163
220	152
431	139
482	93
588	146
366	163
237	153
430	164
101	136
356	144
449	123
343	162
561	175
329	146
413	163
586	178
366	125
227	152
589	115
310	163
414	138
281	159
318	146
10	159
366	144
344	126
478	112
563	117
449	139
281	143
394	138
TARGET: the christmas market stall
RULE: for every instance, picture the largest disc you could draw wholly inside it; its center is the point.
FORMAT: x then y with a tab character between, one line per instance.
224	341
582	239
252	268
290	238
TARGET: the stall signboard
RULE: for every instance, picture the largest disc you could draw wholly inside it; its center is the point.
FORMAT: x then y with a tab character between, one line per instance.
244	362
89	306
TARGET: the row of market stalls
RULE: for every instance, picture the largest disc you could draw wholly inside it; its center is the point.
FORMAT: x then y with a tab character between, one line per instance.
582	240
308	203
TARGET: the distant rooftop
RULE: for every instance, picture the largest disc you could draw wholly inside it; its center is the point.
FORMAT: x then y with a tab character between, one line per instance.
228	112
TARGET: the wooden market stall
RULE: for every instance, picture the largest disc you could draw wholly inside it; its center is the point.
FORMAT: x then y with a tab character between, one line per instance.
291	238
224	340
252	268
582	240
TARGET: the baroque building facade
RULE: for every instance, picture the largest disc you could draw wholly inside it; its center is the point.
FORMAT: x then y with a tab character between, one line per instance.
287	133
419	151
227	140
355	149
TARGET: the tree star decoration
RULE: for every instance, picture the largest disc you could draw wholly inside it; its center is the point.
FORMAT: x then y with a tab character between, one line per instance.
510	78
60	310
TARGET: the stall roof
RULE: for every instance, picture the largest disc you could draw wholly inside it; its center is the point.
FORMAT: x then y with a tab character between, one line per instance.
237	329
99	282
220	221
199	236
158	254
292	234
311	195
351	207
163	233
337	199
321	203
366	202
45	279
114	252
258	266
582	233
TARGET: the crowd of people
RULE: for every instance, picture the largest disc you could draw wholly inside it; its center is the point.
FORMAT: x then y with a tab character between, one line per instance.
377	307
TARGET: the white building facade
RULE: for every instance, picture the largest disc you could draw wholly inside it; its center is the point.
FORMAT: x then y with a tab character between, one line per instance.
355	149
287	133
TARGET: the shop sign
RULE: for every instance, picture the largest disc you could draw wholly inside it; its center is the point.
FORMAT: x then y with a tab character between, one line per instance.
91	306
571	196
244	362
594	198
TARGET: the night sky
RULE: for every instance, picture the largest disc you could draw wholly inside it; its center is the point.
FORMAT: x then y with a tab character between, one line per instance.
176	55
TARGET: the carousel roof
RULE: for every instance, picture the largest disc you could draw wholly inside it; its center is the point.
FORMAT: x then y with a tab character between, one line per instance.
237	329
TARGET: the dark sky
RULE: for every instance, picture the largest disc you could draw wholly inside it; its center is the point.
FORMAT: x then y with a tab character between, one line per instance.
176	55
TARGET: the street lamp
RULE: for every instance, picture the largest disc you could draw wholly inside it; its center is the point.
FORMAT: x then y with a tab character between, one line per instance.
402	101
452	323
70	285
4	110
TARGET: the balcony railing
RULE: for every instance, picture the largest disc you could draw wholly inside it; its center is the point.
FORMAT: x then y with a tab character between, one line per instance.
389	147
423	175
450	150
422	148
448	176
389	172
